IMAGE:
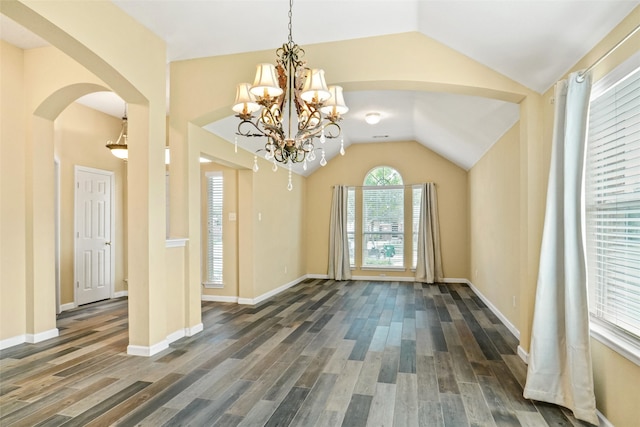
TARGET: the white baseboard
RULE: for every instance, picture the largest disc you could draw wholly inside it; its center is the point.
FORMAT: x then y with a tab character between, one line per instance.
175	336
41	336
218	298
523	355
271	293
194	330
388	278
603	420
119	294
67	306
10	342
384	278
455	280
317	276
495	311
147	351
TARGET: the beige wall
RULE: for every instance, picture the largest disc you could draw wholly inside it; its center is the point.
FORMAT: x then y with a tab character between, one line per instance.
616	378
80	137
12	193
416	164
494	214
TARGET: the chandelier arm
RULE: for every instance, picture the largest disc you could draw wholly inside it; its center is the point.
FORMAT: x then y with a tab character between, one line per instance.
330	134
242	132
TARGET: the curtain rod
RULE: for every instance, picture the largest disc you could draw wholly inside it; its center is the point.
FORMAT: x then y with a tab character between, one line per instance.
581	74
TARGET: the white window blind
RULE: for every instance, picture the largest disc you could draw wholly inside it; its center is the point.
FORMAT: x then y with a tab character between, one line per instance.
416	200
351	224
612	201
214	227
383	219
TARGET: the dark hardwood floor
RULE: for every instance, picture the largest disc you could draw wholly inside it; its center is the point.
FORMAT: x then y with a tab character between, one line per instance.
323	353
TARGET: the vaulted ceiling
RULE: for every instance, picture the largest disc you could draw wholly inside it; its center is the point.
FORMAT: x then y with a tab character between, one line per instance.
533	42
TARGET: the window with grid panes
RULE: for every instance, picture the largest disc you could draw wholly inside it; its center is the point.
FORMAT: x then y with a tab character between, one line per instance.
416	200
214	228
612	202
351	224
383	219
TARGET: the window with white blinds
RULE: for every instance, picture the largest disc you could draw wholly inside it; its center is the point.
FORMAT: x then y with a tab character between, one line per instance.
415	213
612	202
214	227
383	219
351	224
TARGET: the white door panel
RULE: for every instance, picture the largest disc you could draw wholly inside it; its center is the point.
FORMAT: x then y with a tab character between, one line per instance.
93	235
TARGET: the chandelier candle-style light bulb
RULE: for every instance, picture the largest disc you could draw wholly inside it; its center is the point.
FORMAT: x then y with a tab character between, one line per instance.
315	87
335	105
293	104
266	83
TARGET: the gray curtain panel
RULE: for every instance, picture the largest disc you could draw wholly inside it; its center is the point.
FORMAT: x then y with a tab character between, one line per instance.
339	268
429	262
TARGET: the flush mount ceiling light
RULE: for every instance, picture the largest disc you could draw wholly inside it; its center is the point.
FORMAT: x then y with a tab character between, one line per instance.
119	148
294	107
372	118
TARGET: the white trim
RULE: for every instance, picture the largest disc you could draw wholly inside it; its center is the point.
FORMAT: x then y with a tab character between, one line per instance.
67	306
41	336
317	276
144	351
119	294
381	268
176	243
615	76
175	336
13	341
194	329
271	293
495	311
454	280
389	278
614	342
210	285
604	422
384	278
56	191
523	355
218	298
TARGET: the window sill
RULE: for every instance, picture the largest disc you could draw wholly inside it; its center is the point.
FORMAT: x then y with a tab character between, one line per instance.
615	341
210	285
383	268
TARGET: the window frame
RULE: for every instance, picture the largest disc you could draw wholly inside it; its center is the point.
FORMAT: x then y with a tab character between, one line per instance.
613	336
364	233
211	279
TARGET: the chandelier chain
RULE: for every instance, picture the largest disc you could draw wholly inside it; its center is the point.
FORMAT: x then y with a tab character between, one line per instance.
290	18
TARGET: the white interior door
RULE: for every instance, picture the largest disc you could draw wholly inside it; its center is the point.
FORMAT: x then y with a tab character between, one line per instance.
93	219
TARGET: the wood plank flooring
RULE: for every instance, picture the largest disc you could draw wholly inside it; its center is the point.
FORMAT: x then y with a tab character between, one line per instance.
323	353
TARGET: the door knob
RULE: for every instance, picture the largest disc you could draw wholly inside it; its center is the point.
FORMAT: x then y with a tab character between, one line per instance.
107	243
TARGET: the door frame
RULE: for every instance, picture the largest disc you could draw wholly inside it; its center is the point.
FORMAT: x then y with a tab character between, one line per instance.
112	184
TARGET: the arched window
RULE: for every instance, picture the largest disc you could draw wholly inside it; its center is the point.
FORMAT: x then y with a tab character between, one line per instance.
383	218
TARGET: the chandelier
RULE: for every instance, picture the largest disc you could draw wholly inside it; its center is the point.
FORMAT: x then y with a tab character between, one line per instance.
294	107
120	148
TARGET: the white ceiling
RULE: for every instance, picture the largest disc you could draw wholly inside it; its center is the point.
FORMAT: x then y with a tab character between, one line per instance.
532	42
